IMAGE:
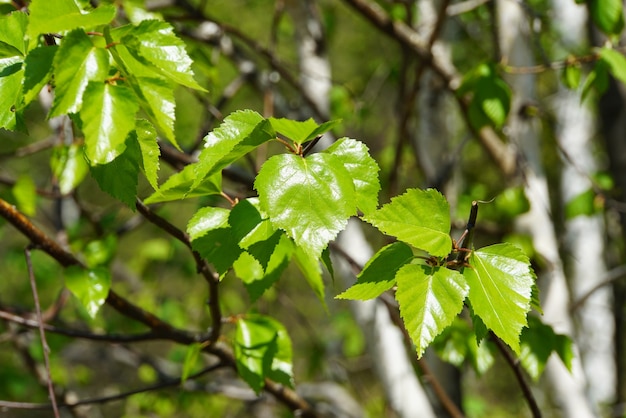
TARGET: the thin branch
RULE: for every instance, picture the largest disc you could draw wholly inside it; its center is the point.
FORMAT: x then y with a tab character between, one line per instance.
111	398
613	275
42	333
517	370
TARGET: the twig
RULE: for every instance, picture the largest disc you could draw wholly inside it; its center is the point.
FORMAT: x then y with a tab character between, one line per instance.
110	398
515	366
610	277
42	334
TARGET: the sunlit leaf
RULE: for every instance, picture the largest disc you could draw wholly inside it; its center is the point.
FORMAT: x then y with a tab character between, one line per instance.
616	63
501	280
25	193
69	166
301	131
108	116
263	350
90	286
362	168
88	63
54	16
11	78
379	274
312	272
430	298
12	30
418	217
237	135
150	151
154	42
608	15
178	185
100	252
310	198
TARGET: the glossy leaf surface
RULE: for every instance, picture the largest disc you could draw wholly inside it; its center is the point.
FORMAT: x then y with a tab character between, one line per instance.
54	16
418	217
430	298
90	286
501	280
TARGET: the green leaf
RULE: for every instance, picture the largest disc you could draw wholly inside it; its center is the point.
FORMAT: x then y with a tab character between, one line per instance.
457	344
153	42
501	280
608	15
582	204
205	220
178	185
616	63
363	170
237	135
119	177
213	238
108	117
430	298
312	272
100	252
12	30
88	63
379	274
25	194
156	98
310	198
11	87
571	74
597	79
191	359
418	217
90	286
301	131
37	70
150	151
54	16
263	350
68	166
491	96
538	342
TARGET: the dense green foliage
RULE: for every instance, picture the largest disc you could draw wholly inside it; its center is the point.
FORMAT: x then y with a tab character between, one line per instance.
117	83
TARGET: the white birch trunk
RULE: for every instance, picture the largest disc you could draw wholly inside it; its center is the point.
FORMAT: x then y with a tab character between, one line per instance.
384	341
569	389
584	234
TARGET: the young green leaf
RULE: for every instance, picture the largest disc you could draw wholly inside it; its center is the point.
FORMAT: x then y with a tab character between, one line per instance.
429	298
154	43
207	219
11	79
191	359
150	151
108	116
312	272
457	344
25	193
119	177
90	286
54	16
178	186
379	274
88	63
608	15
310	198
301	131
237	135
156	98
263	350
418	217
12	30
69	166
363	170
616	63
501	280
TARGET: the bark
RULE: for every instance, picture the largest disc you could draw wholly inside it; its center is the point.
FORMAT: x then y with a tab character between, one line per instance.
569	389
384	341
584	235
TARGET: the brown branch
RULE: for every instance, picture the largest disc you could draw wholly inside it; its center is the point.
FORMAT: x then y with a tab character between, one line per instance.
42	333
